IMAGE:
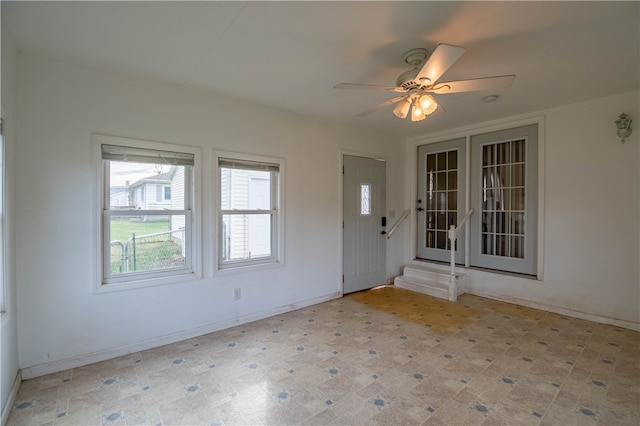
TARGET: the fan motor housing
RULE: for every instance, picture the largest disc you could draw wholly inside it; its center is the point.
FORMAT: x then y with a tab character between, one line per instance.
407	80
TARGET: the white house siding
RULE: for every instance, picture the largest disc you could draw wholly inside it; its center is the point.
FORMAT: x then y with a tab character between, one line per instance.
240	198
177	203
118	197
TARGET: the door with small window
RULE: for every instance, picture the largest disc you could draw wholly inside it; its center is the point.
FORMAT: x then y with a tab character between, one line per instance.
440	198
364	236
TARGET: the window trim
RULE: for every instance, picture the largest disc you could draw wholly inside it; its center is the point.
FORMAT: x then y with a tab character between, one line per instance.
4	292
278	192
193	272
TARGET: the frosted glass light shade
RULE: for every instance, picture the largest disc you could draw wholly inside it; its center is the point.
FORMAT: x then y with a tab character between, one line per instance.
416	112
402	109
428	104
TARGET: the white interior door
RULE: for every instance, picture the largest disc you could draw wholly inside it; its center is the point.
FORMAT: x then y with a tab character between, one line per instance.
441	199
504	194
364	204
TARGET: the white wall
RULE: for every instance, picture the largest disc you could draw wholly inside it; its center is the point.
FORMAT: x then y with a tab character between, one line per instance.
9	330
591	217
59	107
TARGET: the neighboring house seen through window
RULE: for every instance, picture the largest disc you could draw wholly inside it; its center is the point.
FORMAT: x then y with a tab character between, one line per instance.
146	238
249	211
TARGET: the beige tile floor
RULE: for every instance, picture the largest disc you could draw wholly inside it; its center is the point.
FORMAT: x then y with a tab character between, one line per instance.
382	357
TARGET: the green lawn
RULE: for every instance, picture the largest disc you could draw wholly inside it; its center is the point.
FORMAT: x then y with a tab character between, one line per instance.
149	253
123	229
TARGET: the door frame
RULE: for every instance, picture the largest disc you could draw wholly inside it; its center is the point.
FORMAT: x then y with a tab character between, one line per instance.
340	251
467	132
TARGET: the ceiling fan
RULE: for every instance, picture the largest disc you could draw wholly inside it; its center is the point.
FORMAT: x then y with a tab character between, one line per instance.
419	84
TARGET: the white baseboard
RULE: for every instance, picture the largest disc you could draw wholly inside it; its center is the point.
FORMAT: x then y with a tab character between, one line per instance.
560	310
90	358
6	408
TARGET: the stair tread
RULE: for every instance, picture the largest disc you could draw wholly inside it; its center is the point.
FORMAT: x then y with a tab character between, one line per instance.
430	283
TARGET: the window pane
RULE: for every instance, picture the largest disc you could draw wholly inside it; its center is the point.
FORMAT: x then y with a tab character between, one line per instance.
246	236
431	162
147	243
365	199
245	189
441	181
129	182
503	188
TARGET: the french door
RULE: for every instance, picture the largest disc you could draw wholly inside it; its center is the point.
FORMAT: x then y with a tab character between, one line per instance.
441	191
503	192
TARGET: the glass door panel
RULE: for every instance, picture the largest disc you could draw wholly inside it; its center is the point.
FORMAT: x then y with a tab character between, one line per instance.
505	194
440	195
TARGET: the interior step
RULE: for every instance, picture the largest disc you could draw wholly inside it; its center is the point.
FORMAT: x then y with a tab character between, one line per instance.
432	281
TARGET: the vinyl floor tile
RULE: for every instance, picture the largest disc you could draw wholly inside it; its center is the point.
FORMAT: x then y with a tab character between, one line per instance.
386	356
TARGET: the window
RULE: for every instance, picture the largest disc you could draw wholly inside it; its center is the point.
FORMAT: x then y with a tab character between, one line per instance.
146	238
249	217
365	199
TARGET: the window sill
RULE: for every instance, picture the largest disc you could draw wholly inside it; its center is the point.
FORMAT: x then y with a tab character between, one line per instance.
145	283
240	268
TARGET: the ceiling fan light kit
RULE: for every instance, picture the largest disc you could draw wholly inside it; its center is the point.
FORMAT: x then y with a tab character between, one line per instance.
402	109
418	84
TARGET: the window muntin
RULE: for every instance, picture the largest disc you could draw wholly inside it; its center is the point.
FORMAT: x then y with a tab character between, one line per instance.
249	212
146	237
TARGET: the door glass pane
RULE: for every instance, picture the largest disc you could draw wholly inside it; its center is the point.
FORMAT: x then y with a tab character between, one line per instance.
442	197
365	199
503	199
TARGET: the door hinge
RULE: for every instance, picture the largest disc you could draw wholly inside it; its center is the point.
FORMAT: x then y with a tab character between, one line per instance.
343	279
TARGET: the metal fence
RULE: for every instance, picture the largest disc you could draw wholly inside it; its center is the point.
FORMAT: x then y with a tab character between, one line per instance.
162	250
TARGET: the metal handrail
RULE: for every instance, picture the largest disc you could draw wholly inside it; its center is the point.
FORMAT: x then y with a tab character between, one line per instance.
465	218
453	232
393	228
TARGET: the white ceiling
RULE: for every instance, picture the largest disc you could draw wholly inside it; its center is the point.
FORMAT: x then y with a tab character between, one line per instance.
289	55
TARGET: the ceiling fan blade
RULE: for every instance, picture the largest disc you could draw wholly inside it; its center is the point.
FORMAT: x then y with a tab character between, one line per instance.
381	105
368	87
440	60
474	85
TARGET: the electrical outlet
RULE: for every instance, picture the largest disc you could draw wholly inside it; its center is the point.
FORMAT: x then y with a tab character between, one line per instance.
236	294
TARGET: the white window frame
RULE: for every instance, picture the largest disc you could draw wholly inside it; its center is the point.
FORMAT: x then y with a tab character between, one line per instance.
102	283
277	235
3	223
